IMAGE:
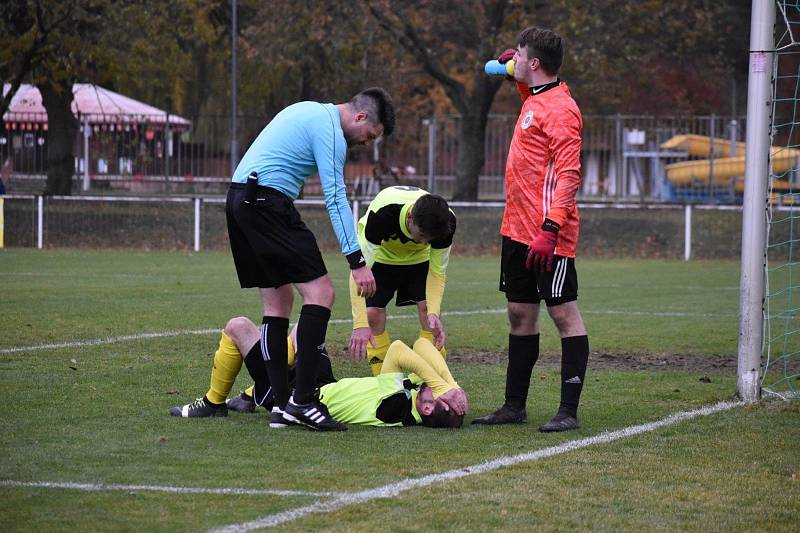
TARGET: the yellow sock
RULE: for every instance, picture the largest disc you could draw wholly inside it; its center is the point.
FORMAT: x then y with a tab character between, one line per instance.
227	363
425	334
376	355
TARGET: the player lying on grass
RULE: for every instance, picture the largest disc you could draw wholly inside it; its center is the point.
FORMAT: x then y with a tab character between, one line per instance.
428	395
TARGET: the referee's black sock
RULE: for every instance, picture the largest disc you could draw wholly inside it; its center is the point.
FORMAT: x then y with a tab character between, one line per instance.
311	330
523	351
574	358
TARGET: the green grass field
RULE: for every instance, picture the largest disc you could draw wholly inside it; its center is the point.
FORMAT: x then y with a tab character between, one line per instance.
96	346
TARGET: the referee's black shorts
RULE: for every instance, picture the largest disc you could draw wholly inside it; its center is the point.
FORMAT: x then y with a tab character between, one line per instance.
530	287
271	245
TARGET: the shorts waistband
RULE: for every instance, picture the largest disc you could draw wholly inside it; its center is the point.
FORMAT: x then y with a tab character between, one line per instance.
260	188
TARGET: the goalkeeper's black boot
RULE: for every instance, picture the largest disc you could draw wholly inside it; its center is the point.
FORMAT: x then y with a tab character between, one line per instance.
199	408
505	415
243	403
313	415
560	422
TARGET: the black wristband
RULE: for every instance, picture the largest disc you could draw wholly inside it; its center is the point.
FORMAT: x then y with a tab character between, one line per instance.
356	260
550	226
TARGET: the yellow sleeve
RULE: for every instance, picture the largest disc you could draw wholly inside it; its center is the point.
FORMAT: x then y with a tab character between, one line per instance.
425	349
359	306
401	358
434	292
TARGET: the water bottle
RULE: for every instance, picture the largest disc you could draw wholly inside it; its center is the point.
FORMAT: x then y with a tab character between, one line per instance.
496	68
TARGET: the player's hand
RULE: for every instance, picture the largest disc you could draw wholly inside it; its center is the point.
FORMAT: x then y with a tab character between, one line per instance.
542	249
365	281
456	400
506	56
359	340
436	327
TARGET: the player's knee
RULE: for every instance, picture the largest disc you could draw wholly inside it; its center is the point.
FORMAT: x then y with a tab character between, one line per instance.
238	326
517	319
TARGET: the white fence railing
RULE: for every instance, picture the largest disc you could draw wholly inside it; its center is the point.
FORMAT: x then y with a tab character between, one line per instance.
640	230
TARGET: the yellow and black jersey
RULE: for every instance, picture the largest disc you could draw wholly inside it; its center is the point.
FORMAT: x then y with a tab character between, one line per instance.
384	238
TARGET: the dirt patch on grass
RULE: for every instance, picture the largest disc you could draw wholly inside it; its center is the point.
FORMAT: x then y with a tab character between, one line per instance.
616	361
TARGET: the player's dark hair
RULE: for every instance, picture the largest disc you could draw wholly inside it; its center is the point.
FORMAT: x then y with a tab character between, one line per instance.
431	214
378	105
545	44
442	418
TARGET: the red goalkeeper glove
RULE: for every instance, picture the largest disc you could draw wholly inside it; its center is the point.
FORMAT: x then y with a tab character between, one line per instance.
542	249
505	57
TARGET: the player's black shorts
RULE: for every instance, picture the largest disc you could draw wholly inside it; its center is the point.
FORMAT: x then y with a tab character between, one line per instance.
407	280
531	287
271	245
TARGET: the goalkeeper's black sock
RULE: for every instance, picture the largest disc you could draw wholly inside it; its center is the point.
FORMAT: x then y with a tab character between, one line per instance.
574	358
311	329
523	351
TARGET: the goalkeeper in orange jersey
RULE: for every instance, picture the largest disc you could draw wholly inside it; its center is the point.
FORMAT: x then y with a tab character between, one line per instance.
428	395
540	229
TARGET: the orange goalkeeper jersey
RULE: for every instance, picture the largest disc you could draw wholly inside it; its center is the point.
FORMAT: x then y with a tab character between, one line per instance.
543	169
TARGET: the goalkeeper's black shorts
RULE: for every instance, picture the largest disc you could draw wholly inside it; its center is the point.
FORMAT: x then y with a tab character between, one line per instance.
270	243
408	281
529	287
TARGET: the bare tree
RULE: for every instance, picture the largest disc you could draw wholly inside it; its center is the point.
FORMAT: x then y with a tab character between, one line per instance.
451	41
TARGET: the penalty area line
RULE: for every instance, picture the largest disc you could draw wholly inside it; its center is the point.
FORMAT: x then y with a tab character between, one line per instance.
103	487
394	489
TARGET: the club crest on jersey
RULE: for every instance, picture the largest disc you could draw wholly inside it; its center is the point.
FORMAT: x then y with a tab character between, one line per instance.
526	120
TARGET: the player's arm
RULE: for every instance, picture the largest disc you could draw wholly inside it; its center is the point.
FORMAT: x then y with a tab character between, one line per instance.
437	270
565	144
401	358
330	153
433	357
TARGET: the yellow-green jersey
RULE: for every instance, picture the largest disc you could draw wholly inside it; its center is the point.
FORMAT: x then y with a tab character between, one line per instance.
383	400
384	238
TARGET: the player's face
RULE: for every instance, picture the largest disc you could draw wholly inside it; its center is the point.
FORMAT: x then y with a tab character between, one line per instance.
362	130
425	401
523	64
416	233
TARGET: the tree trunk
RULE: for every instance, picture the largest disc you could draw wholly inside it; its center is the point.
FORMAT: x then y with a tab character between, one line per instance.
61	130
470	155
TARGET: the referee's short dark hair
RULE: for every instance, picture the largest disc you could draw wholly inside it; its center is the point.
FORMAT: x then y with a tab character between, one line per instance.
378	105
545	44
431	214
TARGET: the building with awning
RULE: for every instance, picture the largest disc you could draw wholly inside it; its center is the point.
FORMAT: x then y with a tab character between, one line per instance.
91	103
119	137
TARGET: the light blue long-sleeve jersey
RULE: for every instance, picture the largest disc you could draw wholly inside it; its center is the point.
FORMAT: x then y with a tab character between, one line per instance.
304	139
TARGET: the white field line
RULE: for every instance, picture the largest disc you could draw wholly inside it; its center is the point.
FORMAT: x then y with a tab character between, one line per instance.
394	489
97	487
162	334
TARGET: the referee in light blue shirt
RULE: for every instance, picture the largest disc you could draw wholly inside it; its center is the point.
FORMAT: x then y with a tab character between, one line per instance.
273	249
